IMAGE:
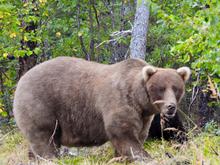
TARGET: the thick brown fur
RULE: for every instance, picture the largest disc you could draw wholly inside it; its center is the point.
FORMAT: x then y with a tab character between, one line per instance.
72	102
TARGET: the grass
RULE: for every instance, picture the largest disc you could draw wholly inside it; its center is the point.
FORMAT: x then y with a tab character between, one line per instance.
201	149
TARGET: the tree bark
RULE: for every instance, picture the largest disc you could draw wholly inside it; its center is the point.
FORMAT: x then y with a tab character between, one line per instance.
139	31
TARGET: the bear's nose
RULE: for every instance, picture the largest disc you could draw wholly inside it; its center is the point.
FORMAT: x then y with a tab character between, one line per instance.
171	108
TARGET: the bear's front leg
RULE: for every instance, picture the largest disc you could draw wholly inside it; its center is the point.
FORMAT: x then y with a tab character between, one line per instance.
123	128
147	120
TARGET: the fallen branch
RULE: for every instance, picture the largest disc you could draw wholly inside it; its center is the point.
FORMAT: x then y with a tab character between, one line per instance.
116	37
123	33
188	118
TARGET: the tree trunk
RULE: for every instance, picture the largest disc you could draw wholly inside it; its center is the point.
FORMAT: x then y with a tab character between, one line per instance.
139	31
78	29
27	62
91	32
138	50
120	50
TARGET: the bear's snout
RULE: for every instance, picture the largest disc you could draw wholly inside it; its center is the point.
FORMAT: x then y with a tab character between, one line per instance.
166	108
171	110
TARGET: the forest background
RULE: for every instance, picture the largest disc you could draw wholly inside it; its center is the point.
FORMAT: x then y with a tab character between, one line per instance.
179	33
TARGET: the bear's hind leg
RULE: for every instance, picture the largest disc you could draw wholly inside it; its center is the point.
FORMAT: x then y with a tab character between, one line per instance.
45	143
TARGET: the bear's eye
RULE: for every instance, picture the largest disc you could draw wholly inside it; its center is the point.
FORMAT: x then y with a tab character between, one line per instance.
161	89
178	91
175	89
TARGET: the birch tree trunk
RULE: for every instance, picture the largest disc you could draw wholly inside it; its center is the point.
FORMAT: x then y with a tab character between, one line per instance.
139	31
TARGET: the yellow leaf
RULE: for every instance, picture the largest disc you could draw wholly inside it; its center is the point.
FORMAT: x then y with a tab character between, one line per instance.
5	55
212	89
42	1
25	38
74	49
13	35
80	34
58	34
45	13
1	15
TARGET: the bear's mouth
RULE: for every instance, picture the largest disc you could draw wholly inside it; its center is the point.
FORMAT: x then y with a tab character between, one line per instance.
169	115
162	107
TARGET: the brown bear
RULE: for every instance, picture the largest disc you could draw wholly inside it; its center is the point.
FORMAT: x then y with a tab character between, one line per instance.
72	102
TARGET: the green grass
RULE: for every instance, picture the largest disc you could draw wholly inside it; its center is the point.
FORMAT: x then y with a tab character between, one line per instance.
201	149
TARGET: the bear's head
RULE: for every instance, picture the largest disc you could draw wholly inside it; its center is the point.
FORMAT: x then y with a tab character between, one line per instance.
165	87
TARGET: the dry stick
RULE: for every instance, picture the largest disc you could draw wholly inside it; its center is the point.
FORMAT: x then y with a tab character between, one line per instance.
107	41
49	162
214	151
54	131
4	136
161	129
187	117
116	36
171	129
161	125
132	153
4	74
194	94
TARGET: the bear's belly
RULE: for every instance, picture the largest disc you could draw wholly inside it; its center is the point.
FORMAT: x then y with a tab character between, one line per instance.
82	141
82	131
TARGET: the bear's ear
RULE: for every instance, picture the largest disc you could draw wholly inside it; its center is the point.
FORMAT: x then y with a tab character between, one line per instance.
184	72
148	71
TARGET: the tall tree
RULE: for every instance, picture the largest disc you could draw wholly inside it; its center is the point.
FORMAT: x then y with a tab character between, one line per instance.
138	50
139	31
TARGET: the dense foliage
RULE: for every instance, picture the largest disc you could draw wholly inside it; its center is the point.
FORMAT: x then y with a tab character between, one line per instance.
180	32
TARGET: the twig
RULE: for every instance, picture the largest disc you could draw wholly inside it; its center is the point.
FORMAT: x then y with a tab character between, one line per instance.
132	153
123	33
107	41
126	54
54	131
194	94
171	129
43	159
214	151
96	14
83	46
116	36
187	117
4	136
4	74
161	124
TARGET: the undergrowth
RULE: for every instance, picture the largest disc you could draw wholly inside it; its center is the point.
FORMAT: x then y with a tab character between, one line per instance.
204	148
